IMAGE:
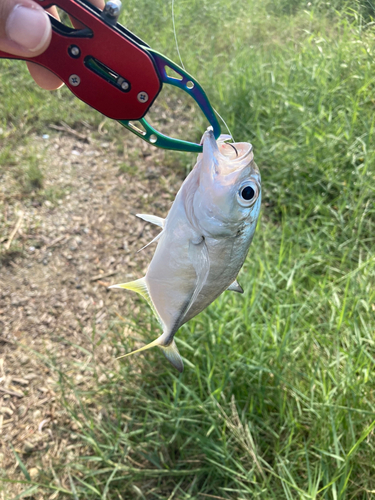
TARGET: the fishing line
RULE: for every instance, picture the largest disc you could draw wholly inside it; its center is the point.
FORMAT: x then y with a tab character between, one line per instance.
225	123
175	36
182	64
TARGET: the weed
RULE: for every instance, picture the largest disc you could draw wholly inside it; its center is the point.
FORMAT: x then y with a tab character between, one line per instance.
53	194
126	168
34	178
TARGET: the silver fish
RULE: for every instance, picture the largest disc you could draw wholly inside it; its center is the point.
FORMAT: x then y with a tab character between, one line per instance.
204	239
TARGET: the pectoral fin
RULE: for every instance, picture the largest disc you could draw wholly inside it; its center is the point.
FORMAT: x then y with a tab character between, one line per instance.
198	255
153	219
235	287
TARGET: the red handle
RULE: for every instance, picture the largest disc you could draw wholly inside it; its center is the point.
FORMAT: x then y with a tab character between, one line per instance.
75	56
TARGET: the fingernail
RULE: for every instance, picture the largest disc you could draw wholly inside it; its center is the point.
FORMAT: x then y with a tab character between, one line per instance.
28	27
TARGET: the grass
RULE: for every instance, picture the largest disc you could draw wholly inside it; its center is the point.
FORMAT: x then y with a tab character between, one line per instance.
277	399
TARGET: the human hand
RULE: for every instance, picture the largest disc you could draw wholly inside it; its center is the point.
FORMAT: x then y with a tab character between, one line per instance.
25	30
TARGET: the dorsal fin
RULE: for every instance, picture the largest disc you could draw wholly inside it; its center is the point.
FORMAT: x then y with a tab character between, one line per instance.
157	237
140	286
153	219
235	287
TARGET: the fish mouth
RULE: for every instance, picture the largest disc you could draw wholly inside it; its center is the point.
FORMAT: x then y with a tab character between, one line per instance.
208	133
224	158
211	154
209	142
236	152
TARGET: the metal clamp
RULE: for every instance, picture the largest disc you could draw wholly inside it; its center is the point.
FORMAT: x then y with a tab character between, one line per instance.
188	84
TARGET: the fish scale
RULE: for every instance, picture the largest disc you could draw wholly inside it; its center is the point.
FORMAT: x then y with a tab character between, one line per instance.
204	239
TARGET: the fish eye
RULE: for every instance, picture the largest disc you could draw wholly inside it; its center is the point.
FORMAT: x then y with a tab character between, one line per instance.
248	194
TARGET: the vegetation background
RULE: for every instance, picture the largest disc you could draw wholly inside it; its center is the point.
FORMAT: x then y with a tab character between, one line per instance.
277	398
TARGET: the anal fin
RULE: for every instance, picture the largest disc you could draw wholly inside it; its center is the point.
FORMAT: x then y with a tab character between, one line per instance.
235	287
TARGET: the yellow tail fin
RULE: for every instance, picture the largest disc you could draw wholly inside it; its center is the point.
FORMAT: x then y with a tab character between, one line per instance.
172	355
170	351
144	348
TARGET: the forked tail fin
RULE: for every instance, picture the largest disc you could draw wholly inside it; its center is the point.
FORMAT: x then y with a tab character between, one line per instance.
173	356
170	351
144	348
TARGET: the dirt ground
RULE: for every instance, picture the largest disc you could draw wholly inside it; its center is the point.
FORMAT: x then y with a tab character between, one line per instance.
62	255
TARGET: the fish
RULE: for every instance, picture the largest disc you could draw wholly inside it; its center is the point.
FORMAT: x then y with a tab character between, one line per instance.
204	239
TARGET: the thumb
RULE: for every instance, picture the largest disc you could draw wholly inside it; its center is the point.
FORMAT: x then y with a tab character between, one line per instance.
25	29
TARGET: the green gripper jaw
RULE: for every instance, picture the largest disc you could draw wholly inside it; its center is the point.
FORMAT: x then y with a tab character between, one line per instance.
189	85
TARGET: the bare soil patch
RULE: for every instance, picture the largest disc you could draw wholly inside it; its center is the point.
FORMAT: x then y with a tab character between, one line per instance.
54	299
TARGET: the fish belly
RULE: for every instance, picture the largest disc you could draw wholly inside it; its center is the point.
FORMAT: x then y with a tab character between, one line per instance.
226	260
171	279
